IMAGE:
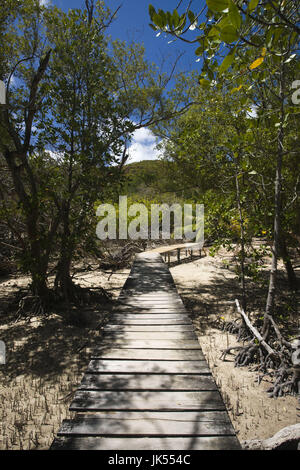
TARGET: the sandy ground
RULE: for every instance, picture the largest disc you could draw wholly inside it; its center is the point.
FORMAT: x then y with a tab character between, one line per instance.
209	290
45	361
46	358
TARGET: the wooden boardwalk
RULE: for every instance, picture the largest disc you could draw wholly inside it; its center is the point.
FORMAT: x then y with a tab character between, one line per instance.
167	250
148	386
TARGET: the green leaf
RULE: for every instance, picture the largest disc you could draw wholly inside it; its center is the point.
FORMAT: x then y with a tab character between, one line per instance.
234	15
217	5
151	11
252	5
169	19
163	16
204	82
227	62
229	34
175	18
214	32
191	16
158	20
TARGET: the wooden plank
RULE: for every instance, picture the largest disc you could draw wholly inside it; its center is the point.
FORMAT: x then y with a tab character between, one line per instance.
149	297
148	400
148	354
149	284
152	344
147	443
181	246
158	275
158	321
133	309
142	277
119	328
150	316
149	302
151	306
144	335
147	367
209	423
134	300
151	294
147	382
145	291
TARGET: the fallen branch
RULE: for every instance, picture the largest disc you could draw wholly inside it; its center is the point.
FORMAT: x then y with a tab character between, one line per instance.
254	331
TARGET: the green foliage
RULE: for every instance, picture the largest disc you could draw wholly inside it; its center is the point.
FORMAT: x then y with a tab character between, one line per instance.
74	101
231	23
151	179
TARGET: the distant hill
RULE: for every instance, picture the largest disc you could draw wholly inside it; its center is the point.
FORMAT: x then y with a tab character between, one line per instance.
150	179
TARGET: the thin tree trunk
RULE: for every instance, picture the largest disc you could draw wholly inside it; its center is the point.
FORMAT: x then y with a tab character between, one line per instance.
63	279
242	239
293	283
270	304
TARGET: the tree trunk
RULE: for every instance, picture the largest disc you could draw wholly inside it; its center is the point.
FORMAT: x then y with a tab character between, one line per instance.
293	283
242	239
35	259
277	212
63	281
38	263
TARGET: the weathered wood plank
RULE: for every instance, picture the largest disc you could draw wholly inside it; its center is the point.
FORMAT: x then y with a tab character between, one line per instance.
166	313
147	443
148	400
150	295
148	354
119	328
149	311
139	382
152	344
147	367
152	321
148	302
150	316
140	298
144	335
209	423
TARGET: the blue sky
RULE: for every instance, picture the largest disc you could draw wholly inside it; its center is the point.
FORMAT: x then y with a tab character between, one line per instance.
132	24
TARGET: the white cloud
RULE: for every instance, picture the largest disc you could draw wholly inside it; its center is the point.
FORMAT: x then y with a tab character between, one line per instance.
58	156
143	146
